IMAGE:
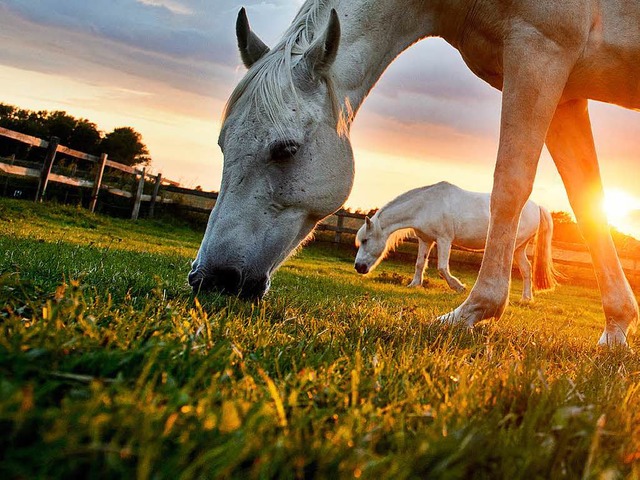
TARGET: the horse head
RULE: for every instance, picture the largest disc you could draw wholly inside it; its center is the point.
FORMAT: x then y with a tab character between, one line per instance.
287	164
372	245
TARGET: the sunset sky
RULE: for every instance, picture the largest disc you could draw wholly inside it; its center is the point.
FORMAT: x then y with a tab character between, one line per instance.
166	67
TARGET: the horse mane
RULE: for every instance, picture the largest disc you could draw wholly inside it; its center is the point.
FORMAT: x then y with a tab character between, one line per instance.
261	85
400	235
395	239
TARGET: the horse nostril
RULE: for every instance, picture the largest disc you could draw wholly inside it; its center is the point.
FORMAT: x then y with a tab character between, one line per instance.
230	281
254	288
361	268
224	279
195	279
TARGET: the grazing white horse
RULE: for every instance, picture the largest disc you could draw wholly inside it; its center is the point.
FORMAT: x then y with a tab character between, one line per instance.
447	215
285	134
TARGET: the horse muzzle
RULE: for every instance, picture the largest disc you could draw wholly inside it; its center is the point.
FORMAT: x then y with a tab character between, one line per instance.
361	268
229	280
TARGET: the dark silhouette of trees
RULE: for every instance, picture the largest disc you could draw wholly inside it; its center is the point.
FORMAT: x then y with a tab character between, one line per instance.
86	137
565	228
59	124
561	217
123	144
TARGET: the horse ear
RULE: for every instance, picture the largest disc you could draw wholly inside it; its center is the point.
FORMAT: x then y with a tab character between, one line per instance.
324	48
251	47
368	223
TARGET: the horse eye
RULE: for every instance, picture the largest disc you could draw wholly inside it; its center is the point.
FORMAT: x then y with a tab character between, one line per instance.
284	150
364	240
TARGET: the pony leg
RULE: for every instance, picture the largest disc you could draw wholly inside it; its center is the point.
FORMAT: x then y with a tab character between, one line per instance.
422	262
570	143
444	250
535	73
524	265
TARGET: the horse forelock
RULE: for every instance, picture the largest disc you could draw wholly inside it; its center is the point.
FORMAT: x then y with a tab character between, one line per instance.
261	89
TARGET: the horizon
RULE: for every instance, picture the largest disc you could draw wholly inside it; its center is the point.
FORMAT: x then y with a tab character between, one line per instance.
166	68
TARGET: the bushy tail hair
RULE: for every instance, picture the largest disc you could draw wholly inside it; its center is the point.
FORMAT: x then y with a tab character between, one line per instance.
545	276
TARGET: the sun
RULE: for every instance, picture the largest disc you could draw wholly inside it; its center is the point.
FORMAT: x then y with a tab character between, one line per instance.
617	205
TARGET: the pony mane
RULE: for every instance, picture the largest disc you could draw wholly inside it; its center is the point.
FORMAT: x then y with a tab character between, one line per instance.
261	86
395	239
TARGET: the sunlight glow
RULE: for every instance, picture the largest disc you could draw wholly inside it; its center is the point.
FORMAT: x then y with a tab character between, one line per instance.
618	205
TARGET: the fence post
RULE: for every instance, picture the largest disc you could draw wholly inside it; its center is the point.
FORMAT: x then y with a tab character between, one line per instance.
97	182
6	179
337	238
156	189
138	199
46	167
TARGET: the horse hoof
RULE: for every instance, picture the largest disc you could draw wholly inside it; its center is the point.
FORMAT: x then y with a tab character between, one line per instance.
614	339
454	318
448	318
464	315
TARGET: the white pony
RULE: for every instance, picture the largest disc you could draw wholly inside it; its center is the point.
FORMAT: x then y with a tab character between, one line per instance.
447	215
285	130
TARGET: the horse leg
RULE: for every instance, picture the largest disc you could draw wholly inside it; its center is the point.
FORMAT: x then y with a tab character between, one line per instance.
444	250
535	73
524	265
422	262
570	142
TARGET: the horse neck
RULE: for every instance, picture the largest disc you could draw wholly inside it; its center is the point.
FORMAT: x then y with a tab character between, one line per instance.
375	32
396	216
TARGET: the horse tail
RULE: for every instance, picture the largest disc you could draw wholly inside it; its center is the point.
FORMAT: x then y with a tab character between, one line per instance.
545	276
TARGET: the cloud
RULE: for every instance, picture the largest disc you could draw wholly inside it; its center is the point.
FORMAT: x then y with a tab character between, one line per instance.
172	6
150	27
197	30
191	45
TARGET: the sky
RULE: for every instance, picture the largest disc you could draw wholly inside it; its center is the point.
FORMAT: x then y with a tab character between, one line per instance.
166	68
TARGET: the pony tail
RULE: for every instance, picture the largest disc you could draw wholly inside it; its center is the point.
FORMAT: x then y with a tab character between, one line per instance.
545	276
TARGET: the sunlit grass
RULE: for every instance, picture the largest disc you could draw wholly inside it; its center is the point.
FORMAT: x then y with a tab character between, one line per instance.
110	368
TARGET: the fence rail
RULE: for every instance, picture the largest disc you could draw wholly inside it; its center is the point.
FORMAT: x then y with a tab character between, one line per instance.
21	137
45	175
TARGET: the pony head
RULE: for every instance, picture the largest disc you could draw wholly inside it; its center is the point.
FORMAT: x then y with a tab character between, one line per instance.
372	246
287	157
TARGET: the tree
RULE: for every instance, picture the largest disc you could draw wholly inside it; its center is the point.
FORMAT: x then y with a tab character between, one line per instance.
79	134
23	121
86	137
565	229
60	124
124	145
560	217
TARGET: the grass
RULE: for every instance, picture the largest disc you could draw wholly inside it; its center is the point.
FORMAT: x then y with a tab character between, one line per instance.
109	368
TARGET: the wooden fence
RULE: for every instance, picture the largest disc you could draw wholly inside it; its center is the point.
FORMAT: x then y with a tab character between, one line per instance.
45	175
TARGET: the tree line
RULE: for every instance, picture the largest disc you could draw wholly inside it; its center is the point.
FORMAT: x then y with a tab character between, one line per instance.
123	144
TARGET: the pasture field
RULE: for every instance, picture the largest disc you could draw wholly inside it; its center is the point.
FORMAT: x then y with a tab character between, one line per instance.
110	368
